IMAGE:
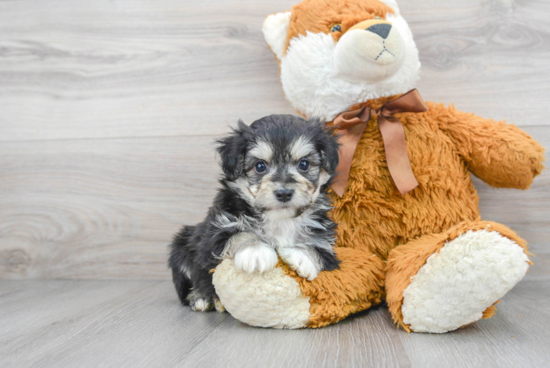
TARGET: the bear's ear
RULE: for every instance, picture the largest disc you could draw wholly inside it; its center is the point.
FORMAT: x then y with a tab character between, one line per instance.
392	4
275	31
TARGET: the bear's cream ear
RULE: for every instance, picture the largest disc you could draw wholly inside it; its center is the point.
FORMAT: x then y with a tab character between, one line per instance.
275	31
392	4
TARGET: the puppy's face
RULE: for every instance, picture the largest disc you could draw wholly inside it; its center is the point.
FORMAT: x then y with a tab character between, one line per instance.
284	174
280	163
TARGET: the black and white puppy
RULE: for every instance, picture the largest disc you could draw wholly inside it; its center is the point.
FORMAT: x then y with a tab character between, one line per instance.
273	200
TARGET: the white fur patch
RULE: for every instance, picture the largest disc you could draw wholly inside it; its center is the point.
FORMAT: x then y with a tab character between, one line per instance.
311	83
186	271
456	286
262	150
256	258
200	305
323	177
240	241
300	261
301	148
271	299
275	30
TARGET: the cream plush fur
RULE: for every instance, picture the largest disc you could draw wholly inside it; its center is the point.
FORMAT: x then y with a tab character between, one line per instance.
277	299
473	271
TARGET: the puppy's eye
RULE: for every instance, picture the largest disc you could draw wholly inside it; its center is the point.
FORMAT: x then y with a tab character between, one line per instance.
377	18
260	167
303	165
336	28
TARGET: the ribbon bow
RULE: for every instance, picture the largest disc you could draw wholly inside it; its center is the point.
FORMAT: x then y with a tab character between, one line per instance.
351	125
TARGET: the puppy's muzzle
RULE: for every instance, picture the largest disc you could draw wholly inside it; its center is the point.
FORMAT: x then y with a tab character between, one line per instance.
283	195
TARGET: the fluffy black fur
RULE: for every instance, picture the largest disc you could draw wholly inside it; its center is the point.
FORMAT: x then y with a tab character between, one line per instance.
196	250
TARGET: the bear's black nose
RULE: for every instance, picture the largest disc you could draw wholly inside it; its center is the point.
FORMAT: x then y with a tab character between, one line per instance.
284	195
381	29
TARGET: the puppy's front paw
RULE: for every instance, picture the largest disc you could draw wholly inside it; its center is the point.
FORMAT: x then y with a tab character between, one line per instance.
254	258
302	263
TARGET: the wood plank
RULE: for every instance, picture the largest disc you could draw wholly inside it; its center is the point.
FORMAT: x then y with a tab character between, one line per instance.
137	324
30	305
133	68
173	67
63	323
107	208
515	337
100	208
485	56
365	340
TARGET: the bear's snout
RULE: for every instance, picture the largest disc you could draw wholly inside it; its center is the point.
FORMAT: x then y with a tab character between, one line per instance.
370	51
381	29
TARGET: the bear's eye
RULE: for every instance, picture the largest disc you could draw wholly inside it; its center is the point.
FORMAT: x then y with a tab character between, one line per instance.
260	167
336	28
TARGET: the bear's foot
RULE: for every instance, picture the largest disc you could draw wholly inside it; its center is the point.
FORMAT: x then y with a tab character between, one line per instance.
459	282
467	276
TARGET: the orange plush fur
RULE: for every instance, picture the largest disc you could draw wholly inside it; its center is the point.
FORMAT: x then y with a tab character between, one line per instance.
357	285
444	145
319	16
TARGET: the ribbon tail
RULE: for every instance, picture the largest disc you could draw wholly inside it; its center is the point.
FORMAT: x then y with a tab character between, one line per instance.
349	140
395	145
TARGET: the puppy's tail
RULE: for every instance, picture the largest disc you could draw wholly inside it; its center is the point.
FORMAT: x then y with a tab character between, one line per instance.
179	262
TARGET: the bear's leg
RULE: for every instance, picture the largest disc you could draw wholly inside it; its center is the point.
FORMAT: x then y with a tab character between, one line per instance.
441	282
280	298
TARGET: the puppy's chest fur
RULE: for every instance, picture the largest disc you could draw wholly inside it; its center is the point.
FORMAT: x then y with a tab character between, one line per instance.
283	232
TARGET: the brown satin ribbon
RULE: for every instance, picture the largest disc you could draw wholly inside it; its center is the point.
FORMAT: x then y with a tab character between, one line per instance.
351	125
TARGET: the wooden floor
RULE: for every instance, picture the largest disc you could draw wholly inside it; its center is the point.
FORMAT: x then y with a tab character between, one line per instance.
108	114
63	323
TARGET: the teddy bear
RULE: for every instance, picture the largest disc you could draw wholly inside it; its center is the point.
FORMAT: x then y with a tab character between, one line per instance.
409	227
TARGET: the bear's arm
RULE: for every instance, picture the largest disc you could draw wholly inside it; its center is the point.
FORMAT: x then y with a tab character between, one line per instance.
500	154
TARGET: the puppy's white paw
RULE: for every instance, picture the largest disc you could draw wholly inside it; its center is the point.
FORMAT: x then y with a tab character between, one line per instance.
302	263
200	305
259	257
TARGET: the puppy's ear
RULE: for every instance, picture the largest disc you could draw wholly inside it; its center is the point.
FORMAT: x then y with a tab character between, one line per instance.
232	150
327	144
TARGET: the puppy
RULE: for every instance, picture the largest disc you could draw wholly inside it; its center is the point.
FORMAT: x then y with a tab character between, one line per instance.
273	200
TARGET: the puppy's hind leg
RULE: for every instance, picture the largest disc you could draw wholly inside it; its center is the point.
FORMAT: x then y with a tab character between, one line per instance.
201	304
192	278
180	261
194	286
202	297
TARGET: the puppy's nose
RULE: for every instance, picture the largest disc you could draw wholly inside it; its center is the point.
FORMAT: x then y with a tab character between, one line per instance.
381	29
284	195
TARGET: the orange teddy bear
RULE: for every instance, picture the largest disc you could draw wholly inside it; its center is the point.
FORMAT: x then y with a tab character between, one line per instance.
408	219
